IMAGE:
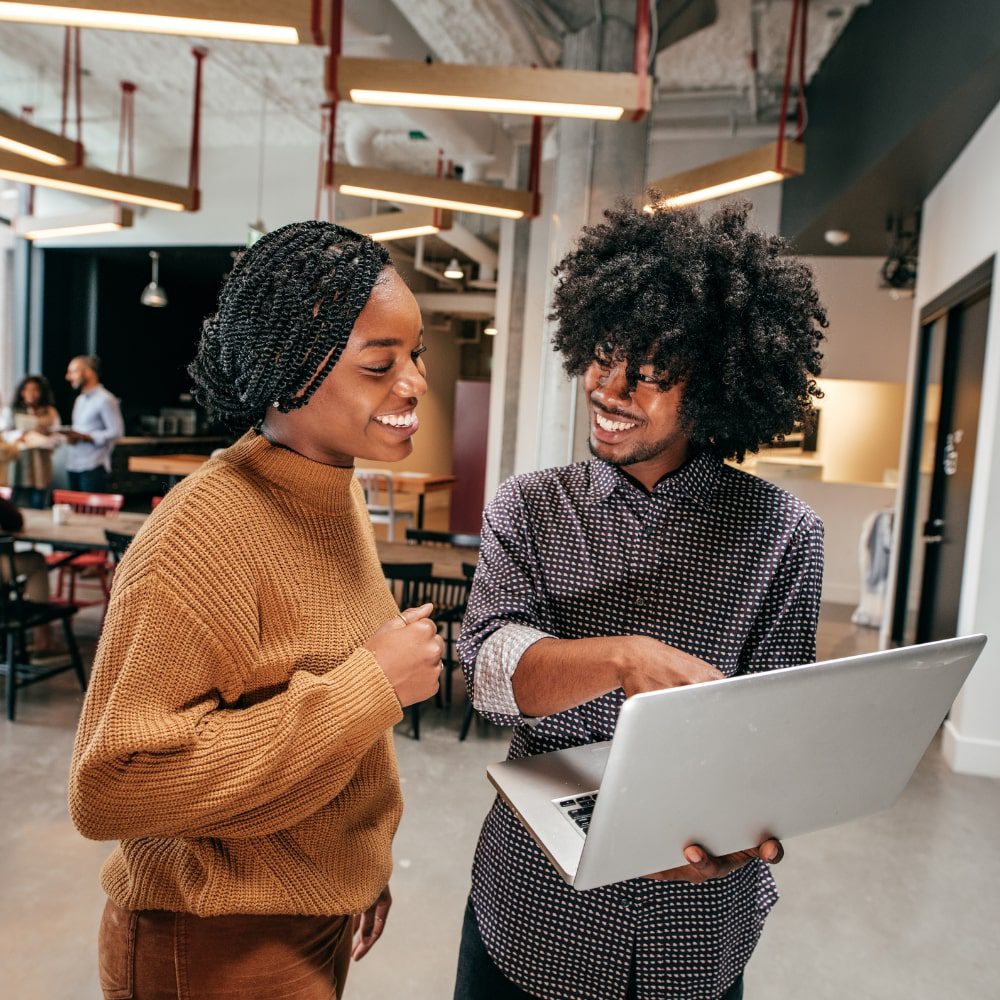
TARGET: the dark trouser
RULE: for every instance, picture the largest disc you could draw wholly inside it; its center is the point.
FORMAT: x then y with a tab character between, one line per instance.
479	979
91	481
156	955
30	496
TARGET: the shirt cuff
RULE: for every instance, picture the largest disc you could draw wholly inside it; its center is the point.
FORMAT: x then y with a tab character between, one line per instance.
493	690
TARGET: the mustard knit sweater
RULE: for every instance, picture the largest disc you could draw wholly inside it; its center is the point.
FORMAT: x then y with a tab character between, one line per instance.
236	736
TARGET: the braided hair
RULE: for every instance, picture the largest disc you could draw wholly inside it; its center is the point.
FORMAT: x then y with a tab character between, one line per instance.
283	317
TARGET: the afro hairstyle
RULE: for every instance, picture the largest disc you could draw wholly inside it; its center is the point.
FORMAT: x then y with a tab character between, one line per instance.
707	302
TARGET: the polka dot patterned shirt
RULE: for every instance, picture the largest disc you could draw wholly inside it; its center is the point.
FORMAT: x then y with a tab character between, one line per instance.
716	562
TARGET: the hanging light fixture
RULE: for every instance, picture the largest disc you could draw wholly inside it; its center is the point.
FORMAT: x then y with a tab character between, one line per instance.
518	90
98	184
454	270
434	192
406	224
490	330
106	219
24	139
513	90
766	165
284	22
153	294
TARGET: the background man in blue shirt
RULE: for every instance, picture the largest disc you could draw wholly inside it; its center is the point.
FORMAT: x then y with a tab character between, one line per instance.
97	424
653	565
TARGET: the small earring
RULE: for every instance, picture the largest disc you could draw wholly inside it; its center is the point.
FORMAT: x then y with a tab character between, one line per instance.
276	404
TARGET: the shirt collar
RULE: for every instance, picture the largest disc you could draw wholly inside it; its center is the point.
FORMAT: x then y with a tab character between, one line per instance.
696	479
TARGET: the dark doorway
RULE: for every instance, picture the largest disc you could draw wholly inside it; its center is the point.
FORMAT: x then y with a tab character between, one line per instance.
91	306
935	519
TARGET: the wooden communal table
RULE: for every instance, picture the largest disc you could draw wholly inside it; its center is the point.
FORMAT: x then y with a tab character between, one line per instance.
175	467
80	533
86	531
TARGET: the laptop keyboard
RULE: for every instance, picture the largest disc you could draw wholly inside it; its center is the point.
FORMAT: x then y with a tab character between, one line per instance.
578	809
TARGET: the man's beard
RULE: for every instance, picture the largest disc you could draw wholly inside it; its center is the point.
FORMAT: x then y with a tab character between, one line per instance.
641	453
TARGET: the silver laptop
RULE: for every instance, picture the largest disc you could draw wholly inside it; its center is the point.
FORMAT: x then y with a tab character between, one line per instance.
729	763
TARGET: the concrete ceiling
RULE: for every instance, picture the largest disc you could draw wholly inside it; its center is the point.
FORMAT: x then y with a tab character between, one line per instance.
277	90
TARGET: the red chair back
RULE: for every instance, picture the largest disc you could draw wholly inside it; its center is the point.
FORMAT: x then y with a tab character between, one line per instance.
7	492
155	502
106	504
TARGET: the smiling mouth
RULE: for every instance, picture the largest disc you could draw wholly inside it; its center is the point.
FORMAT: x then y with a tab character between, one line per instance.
611	424
407	419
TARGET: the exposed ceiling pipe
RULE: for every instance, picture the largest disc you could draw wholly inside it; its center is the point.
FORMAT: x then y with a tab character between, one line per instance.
359	141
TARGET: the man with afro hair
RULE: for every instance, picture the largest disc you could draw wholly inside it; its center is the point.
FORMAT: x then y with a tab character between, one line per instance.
655	564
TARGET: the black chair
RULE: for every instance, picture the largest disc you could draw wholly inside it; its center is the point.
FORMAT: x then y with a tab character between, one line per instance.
117	543
407	582
443	538
18	616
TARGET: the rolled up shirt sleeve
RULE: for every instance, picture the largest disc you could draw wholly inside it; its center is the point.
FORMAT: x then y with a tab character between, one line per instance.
502	618
493	694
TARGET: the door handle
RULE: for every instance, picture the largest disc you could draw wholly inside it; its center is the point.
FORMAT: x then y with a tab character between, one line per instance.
934	531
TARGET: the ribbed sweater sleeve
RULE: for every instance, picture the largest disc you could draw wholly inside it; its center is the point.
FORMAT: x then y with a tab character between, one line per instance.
170	747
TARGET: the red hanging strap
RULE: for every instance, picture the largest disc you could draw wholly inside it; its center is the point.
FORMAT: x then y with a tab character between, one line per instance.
73	79
329	168
327	149
535	165
801	116
793	34
194	166
126	129
640	61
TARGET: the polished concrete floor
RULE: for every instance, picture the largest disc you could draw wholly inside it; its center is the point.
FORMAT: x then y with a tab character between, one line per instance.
901	906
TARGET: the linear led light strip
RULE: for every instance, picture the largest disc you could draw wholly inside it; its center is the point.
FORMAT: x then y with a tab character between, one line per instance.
148	23
32	152
90	229
94	192
419	199
721	190
403	234
495	105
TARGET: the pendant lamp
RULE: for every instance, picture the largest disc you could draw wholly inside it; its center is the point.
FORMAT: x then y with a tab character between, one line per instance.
153	294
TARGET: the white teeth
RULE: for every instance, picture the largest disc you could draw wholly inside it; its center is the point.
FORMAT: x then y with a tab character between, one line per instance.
612	425
398	419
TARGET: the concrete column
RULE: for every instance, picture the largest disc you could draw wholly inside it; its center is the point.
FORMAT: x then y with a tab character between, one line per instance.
596	163
505	390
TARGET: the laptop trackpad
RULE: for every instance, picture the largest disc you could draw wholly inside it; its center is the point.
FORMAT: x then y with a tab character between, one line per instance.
529	786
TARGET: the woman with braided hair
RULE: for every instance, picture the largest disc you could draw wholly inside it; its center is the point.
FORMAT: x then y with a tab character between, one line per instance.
236	738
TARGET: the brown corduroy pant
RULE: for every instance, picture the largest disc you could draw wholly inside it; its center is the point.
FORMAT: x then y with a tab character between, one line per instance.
158	955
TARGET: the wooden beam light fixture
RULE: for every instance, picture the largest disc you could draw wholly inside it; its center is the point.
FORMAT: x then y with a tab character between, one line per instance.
24	139
99	184
433	192
764	165
513	90
107	219
283	22
411	222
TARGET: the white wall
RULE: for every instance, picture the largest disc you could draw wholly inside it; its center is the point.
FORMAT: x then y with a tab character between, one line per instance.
959	231
869	332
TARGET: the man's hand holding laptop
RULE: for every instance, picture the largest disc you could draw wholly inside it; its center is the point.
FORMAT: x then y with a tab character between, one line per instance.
655	665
